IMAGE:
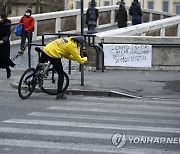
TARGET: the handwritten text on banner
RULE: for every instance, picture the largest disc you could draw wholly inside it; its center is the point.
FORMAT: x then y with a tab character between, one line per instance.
130	55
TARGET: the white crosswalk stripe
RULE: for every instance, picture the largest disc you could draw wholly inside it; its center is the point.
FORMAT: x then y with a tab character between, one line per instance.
93	125
104	118
133	110
88	127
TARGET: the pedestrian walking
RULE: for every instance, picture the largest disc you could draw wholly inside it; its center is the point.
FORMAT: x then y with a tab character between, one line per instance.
121	16
136	12
28	27
5	31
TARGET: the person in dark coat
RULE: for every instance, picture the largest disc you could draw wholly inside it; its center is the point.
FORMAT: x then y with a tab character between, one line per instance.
91	18
136	12
121	16
5	31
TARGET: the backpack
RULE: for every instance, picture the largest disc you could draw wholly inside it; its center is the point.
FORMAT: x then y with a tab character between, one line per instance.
18	30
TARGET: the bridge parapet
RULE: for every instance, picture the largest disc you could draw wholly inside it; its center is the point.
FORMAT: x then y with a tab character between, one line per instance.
163	35
165	50
164	27
70	21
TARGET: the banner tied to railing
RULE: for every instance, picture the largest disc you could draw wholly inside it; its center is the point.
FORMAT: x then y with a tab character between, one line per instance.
128	55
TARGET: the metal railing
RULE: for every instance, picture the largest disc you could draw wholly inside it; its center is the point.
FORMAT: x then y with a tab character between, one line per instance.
89	39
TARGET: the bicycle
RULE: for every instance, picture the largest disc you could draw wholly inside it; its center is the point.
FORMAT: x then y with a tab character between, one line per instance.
44	76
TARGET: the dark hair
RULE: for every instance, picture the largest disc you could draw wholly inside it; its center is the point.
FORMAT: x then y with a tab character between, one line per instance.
3	15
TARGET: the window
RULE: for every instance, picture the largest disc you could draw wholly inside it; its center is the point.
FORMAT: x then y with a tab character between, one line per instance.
78	5
106	3
178	9
150	5
165	6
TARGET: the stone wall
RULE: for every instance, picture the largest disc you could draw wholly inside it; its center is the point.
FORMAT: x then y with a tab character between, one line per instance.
165	51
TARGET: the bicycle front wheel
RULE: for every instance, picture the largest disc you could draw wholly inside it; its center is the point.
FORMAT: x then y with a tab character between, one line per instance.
50	82
26	87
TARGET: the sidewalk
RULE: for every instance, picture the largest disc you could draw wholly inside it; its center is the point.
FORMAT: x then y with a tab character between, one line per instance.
118	83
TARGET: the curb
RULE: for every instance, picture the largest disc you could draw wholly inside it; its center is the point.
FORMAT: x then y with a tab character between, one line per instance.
99	93
89	92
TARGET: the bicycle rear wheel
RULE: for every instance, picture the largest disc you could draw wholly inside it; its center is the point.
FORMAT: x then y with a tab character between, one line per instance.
25	86
50	82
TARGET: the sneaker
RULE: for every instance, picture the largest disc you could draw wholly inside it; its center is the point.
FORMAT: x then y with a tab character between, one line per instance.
61	97
21	52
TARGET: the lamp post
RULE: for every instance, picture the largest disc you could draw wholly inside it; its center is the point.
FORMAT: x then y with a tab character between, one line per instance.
82	10
81	49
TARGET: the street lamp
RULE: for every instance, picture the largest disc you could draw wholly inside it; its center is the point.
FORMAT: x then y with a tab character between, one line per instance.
81	49
82	10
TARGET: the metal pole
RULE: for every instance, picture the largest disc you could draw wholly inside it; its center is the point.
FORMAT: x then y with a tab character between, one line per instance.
69	70
29	51
29	56
82	33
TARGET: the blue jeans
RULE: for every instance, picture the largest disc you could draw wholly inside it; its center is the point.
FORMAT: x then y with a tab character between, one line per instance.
136	20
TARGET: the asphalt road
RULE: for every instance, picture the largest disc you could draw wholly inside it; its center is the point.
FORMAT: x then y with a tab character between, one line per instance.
86	125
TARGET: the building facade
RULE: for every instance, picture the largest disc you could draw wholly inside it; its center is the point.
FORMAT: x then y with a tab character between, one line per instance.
170	6
18	7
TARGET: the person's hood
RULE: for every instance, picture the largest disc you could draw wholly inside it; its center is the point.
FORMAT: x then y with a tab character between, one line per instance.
28	12
134	2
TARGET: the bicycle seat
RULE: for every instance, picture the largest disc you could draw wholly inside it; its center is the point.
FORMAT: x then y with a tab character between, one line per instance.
39	50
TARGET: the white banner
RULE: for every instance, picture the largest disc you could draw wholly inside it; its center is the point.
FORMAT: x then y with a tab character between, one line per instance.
129	55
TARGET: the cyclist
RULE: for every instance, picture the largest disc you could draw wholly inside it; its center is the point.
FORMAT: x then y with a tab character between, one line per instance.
62	48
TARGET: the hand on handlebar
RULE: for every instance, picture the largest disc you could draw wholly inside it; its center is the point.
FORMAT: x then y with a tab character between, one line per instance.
84	54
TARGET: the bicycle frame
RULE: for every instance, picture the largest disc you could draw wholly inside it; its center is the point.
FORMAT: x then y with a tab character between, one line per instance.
37	75
44	76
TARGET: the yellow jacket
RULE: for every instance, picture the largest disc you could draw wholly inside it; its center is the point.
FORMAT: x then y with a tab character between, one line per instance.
64	47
